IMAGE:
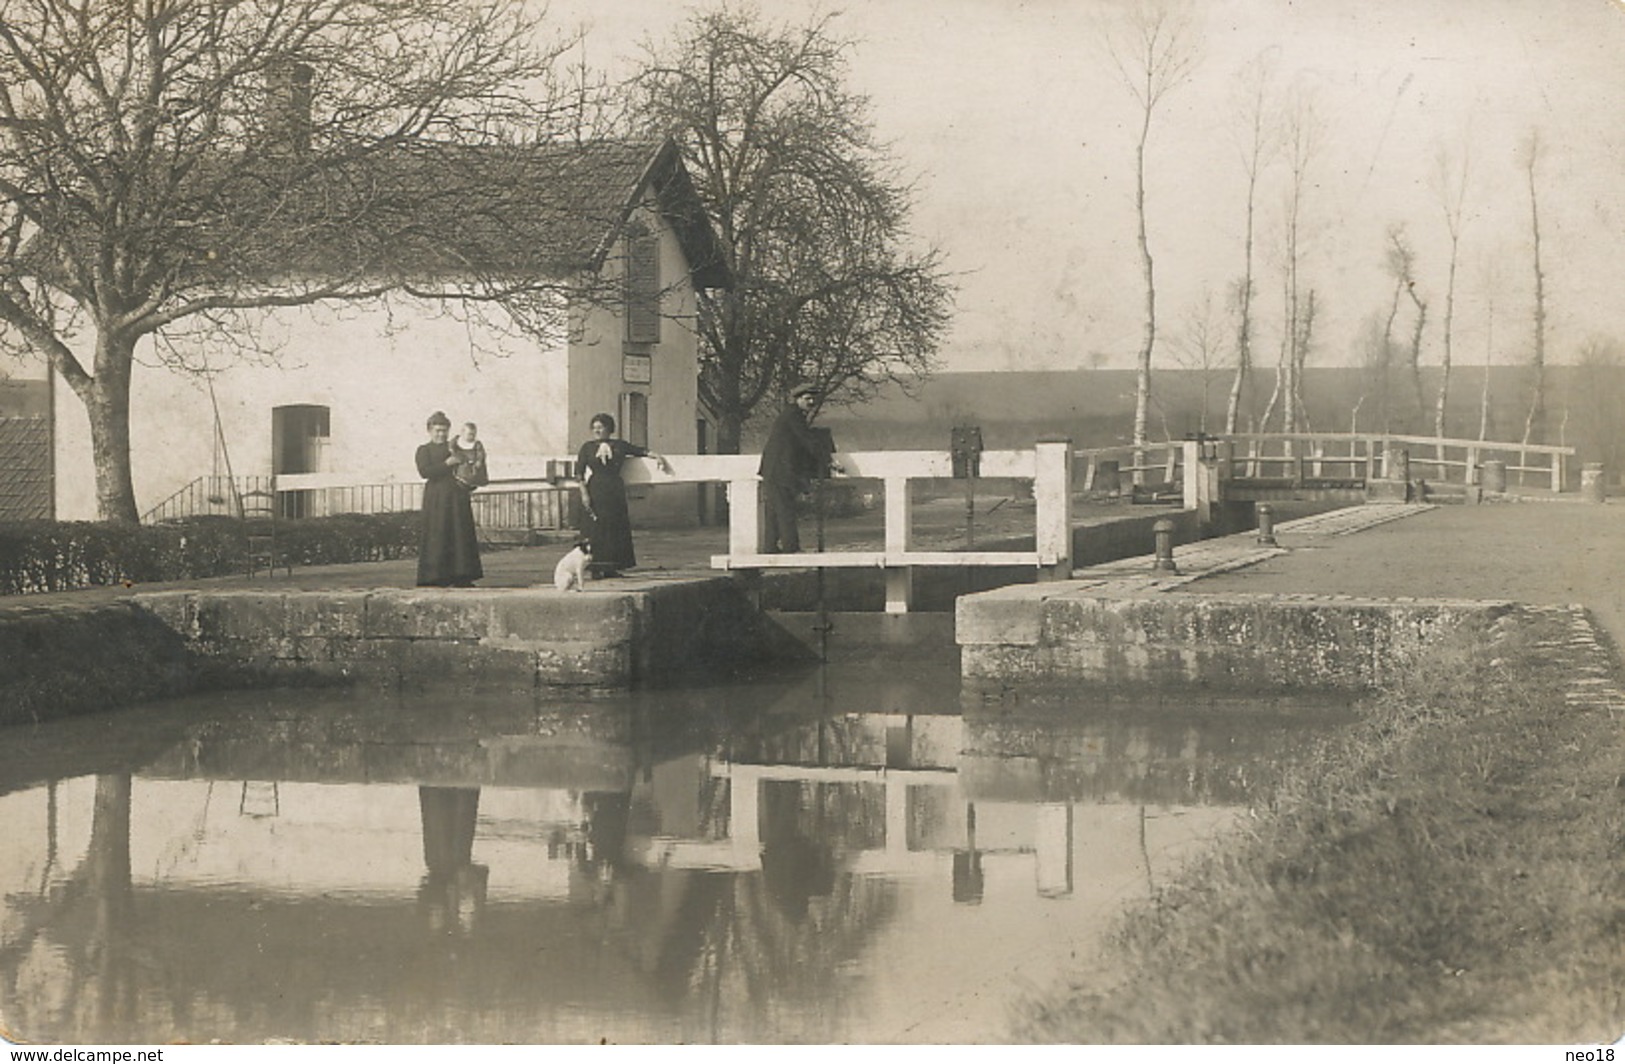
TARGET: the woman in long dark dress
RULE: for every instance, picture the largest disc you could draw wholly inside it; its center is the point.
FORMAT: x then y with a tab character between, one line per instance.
449	547
603	496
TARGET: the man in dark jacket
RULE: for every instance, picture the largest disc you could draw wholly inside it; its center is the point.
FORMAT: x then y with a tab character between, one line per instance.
793	455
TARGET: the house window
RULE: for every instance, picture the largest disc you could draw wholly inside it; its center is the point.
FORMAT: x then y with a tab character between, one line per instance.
635	418
642	286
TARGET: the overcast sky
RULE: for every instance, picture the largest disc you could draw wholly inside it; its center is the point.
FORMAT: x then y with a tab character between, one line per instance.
1022	140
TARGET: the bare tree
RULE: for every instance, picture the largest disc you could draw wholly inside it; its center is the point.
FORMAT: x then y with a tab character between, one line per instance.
1491	283
1413	354
167	166
1534	427
1198	347
1155	47
1399	261
1259	140
811	213
1303	134
1450	187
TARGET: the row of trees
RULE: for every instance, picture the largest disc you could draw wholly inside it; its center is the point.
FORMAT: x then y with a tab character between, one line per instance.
1153	47
168	168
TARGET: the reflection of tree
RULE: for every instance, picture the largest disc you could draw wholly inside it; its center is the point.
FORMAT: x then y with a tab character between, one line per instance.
80	936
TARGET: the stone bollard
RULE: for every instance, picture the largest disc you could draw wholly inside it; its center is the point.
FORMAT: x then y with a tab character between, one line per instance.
1593	488
1266	525
1163	529
1495	476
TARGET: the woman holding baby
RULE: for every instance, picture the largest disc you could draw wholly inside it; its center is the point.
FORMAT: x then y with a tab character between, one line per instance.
449	545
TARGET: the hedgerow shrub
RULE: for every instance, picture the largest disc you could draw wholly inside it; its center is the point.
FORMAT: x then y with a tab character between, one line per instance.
42	556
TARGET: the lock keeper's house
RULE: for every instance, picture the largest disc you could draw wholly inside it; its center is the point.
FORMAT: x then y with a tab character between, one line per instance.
339	393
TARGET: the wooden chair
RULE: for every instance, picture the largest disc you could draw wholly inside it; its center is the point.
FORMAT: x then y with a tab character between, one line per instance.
260	518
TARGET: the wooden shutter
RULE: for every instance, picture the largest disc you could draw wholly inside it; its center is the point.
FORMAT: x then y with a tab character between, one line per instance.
642	287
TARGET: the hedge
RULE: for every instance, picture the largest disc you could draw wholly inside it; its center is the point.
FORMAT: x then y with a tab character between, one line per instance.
42	556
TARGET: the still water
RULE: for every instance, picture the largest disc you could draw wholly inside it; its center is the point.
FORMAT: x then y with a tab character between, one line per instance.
851	855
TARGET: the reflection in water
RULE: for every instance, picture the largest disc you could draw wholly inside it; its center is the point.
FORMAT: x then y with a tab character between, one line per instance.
839	860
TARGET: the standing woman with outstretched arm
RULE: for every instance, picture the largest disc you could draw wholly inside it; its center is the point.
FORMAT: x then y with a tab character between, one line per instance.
603	496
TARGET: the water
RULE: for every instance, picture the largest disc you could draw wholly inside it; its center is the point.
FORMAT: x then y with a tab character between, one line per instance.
848	856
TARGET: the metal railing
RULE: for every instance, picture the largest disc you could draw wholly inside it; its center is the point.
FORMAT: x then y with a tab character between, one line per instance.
207	495
506	506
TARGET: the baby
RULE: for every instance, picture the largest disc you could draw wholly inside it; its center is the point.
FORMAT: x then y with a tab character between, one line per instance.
571	572
470	452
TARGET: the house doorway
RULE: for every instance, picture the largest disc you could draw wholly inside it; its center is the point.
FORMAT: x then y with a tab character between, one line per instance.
300	435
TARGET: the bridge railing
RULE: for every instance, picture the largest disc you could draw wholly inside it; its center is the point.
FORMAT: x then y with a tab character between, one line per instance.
1048	465
1111	470
1310	455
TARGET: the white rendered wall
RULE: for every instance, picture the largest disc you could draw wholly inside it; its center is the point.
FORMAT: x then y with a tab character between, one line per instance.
380	375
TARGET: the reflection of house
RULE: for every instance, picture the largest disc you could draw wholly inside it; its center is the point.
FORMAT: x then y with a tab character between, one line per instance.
356	383
396	872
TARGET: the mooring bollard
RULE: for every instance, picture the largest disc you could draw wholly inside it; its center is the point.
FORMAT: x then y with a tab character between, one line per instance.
1593	487
1266	525
1493	476
1163	529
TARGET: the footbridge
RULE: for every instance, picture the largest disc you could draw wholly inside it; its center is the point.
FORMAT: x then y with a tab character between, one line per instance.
1204	474
1201	474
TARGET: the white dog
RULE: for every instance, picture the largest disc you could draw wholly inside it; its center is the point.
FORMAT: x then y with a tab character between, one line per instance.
571	572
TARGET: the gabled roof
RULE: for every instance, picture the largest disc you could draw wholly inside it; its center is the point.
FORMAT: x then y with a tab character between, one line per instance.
428	211
560	208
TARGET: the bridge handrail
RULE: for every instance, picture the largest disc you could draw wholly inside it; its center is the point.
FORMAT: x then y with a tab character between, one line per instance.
1500	446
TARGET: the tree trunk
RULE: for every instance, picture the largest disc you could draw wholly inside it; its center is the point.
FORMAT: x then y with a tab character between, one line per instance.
730	431
1445	359
1534	424
1148	335
109	410
107	403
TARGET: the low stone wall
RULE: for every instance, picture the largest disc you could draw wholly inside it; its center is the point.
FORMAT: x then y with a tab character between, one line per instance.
62	660
516	639
1242	643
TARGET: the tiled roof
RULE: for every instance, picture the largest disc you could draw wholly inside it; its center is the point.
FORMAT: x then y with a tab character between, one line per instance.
25	468
426	212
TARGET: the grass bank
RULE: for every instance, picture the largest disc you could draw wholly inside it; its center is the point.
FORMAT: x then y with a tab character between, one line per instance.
1450	870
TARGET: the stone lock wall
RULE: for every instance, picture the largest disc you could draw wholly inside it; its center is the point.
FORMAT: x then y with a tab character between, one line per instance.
1173	641
57	661
519	639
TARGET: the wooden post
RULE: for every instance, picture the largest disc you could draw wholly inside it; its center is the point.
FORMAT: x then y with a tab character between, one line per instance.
1052	491
899	534
1557	471
1191	495
745	516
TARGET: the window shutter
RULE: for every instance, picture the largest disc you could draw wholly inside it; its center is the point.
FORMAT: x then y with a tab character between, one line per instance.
635	418
643	288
